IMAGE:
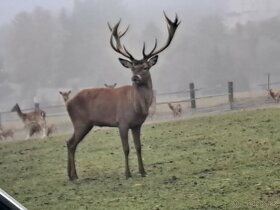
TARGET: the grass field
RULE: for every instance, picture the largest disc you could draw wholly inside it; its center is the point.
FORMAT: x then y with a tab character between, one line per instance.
228	161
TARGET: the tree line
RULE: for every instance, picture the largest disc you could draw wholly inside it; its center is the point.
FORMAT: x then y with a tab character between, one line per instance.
40	49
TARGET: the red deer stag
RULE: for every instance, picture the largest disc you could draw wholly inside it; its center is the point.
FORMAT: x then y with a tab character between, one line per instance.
65	95
124	107
176	109
32	120
274	95
110	86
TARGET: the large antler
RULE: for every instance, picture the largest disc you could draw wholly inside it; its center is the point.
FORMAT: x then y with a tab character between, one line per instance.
171	26
117	36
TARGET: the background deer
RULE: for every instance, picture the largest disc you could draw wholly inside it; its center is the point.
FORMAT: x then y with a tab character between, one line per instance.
31	120
176	109
65	95
5	133
110	86
124	107
275	95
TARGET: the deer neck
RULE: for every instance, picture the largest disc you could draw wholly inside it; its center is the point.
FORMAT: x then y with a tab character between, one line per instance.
143	96
20	114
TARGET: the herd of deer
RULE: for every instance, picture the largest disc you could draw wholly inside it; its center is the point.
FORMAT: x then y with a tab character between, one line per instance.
125	107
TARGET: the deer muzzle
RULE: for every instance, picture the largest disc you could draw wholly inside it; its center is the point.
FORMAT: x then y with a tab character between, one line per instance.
136	78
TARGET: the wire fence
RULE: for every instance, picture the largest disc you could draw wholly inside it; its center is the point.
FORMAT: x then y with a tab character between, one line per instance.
190	103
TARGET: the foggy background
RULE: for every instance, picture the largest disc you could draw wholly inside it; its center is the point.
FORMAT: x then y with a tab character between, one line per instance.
47	46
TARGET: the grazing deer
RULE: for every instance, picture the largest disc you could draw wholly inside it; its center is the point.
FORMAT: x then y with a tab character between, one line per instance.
110	86
31	119
65	95
176	109
124	107
274	95
5	133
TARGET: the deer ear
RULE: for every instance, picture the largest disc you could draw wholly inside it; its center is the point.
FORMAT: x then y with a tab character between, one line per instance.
153	60
125	63
69	91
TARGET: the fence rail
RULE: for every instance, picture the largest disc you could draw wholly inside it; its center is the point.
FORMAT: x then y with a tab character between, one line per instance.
57	114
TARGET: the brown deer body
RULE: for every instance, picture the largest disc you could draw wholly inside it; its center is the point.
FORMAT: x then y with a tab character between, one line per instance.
32	118
176	109
274	95
125	107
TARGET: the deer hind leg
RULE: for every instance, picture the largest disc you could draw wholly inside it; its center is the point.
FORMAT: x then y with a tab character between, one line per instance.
124	137
137	142
30	133
44	132
72	143
43	126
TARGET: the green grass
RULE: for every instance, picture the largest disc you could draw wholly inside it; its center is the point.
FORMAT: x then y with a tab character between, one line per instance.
229	161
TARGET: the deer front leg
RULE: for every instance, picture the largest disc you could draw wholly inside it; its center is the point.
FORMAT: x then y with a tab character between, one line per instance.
124	137
79	133
71	168
136	132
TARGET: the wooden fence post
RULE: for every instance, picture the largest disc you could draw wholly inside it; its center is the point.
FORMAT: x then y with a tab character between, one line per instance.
192	95
230	94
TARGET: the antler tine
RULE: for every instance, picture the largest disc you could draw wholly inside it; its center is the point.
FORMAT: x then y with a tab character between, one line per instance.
120	34
109	26
143	51
117	35
171	27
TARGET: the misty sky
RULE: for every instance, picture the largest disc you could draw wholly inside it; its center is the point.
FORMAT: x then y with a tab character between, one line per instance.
9	8
189	60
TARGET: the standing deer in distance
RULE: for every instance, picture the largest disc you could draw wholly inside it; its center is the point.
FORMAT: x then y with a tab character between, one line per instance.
65	95
110	86
124	107
176	109
34	121
275	95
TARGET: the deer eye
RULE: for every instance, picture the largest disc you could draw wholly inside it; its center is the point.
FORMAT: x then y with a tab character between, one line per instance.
146	68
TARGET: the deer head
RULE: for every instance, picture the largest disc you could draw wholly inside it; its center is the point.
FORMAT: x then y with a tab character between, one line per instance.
140	68
65	95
